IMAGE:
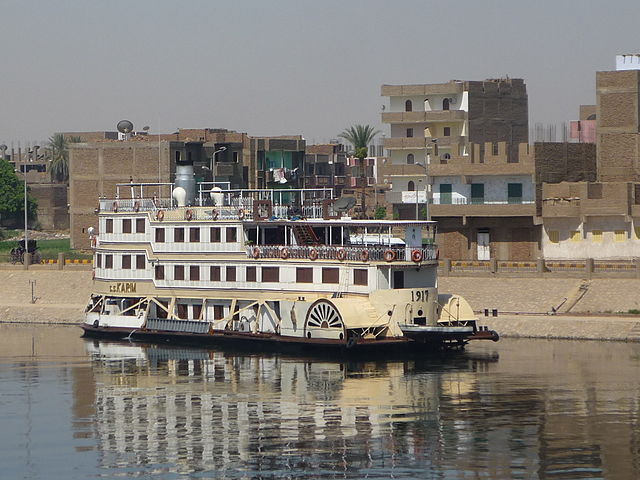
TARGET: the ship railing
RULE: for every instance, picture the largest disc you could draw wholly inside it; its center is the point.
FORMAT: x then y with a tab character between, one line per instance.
359	253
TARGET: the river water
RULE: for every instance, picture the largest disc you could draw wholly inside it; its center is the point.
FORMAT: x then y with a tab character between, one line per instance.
73	408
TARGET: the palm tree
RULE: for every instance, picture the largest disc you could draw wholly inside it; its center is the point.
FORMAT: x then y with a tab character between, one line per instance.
59	146
360	136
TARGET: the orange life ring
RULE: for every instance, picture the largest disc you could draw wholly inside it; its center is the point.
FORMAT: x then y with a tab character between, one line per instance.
416	256
364	255
214	214
160	215
313	254
341	254
389	255
284	253
256	252
241	214
115	206
136	206
188	214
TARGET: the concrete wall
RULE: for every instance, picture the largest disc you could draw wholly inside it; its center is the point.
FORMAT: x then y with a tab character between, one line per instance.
53	213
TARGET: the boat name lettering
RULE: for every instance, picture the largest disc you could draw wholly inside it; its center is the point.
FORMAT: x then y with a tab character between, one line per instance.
419	295
123	287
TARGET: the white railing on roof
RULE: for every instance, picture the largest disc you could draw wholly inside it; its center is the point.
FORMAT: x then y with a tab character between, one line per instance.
359	253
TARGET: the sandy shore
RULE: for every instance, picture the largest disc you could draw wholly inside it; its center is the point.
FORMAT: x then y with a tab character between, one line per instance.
523	304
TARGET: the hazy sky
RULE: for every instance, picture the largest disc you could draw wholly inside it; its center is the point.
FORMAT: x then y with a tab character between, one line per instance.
288	66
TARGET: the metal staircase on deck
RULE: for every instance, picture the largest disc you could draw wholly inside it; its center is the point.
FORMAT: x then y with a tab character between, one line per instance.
305	235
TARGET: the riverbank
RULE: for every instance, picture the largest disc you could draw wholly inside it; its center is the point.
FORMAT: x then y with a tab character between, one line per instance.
522	304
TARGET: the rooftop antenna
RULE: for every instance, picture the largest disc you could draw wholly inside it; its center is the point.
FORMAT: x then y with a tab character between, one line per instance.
125	127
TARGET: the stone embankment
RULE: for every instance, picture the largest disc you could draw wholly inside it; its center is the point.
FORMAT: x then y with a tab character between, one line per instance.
585	309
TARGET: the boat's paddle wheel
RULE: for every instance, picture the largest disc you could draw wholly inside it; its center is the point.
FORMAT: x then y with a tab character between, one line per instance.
324	321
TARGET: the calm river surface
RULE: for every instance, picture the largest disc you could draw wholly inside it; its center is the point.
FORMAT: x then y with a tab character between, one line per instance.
72	408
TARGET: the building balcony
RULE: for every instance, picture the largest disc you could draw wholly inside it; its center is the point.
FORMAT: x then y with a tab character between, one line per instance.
424	117
420	142
526	208
449	88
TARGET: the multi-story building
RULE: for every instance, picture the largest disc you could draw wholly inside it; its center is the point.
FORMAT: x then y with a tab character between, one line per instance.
584	130
325	165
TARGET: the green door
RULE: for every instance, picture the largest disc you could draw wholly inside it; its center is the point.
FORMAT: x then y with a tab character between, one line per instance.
477	193
445	194
514	193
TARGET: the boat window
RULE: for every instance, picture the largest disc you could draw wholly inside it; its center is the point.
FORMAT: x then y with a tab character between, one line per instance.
182	310
231	235
218	312
215	234
159	235
360	276
108	261
178	234
398	279
231	274
126	262
159	272
140	225
330	275
178	272
194	234
214	274
194	273
304	275
161	312
109	225
270	274
141	264
197	310
251	274
126	225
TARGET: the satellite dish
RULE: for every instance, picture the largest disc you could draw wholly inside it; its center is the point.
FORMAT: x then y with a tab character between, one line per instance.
125	126
146	128
3	147
343	204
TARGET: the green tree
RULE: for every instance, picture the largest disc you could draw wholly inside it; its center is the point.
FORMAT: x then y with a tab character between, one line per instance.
12	197
59	166
380	213
360	136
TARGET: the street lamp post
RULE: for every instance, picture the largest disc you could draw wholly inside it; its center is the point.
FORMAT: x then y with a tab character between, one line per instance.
213	164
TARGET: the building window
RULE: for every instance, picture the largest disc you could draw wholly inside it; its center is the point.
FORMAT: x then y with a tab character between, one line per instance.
159	275
178	235
126	262
251	274
514	193
304	275
477	193
360	276
140	225
620	235
235	157
445	194
410	159
232	235
445	104
218	312
215	234
141	264
411	186
99	260
575	236
194	234
159	235
408	106
596	236
108	261
231	274
270	274
126	225
494	148
108	225
447	131
178	272
214	274
409	132
554	236
330	275
194	273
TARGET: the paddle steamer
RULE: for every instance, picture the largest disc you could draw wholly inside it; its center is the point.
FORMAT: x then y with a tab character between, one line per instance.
267	268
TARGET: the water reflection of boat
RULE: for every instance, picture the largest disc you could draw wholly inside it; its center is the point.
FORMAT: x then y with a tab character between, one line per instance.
238	268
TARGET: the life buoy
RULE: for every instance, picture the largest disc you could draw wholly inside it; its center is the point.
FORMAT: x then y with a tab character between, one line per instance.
188	214
94	242
284	253
364	255
416	256
214	214
136	206
389	255
160	215
313	254
256	252
341	254
115	206
241	214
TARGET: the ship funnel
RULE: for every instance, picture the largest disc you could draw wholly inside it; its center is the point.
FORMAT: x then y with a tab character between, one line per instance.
180	196
185	178
217	196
